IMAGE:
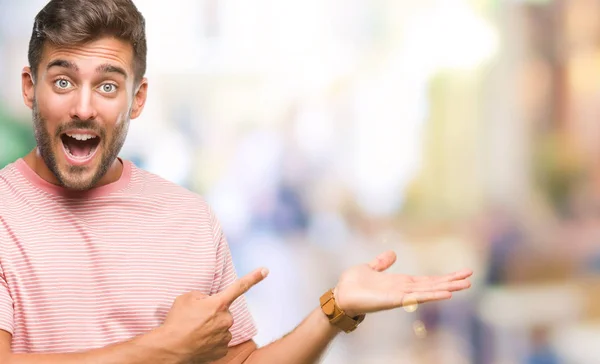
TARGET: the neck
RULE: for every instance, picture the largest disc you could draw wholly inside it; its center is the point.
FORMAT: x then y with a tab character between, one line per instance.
35	161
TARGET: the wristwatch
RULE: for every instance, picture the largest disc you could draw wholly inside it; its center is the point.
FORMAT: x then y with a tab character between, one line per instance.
336	315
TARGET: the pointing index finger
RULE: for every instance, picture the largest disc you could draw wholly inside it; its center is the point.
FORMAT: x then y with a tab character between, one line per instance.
242	285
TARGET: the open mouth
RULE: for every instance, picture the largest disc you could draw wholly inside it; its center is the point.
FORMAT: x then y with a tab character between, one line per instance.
80	146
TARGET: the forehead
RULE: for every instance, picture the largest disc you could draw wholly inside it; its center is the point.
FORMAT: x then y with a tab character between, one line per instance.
90	55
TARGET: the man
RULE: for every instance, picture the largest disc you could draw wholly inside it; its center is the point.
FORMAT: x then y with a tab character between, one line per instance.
101	262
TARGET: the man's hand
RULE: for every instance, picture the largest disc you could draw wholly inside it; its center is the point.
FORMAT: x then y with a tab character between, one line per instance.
366	288
196	329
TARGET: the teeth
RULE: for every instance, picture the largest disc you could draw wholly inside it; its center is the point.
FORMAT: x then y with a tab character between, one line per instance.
81	136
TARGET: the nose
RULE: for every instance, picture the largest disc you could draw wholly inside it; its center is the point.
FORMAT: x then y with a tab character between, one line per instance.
83	105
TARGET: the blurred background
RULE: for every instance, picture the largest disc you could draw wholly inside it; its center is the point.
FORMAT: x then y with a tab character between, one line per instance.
323	132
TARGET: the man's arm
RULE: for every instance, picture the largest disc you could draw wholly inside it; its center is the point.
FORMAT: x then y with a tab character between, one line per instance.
142	349
306	344
361	289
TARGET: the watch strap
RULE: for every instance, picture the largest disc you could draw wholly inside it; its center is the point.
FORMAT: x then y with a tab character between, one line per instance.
336	315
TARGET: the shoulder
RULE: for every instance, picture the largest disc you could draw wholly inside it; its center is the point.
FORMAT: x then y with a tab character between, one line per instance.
8	172
15	191
9	179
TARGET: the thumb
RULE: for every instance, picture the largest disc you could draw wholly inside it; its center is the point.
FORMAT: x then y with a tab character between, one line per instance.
383	261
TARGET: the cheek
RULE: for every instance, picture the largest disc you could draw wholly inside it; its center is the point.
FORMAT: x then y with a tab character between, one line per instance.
52	108
112	112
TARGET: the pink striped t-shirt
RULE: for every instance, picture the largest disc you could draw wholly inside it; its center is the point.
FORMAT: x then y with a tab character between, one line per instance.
82	270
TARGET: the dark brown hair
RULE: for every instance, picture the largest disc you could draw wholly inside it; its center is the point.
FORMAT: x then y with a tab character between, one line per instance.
69	22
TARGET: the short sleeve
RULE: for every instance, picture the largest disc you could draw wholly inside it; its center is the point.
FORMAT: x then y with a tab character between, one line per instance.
243	328
6	306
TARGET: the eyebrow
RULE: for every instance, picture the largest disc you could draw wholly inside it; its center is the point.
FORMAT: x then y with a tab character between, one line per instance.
109	68
62	64
104	68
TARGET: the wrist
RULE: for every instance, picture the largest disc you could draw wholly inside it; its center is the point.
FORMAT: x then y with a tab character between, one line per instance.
325	322
347	311
336	315
160	342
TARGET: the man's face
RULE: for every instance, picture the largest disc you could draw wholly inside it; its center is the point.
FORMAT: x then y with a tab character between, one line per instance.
82	101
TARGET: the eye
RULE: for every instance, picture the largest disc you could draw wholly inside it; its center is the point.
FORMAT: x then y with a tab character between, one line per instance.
108	88
62	83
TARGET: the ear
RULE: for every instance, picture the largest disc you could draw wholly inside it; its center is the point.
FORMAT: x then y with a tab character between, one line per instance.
28	87
139	99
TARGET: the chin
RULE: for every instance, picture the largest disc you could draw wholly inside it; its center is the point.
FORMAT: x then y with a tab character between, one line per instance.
77	184
78	178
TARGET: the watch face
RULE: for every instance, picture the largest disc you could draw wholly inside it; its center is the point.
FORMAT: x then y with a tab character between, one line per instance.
329	308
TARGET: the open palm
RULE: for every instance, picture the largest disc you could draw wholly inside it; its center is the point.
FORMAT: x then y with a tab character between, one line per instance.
367	288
